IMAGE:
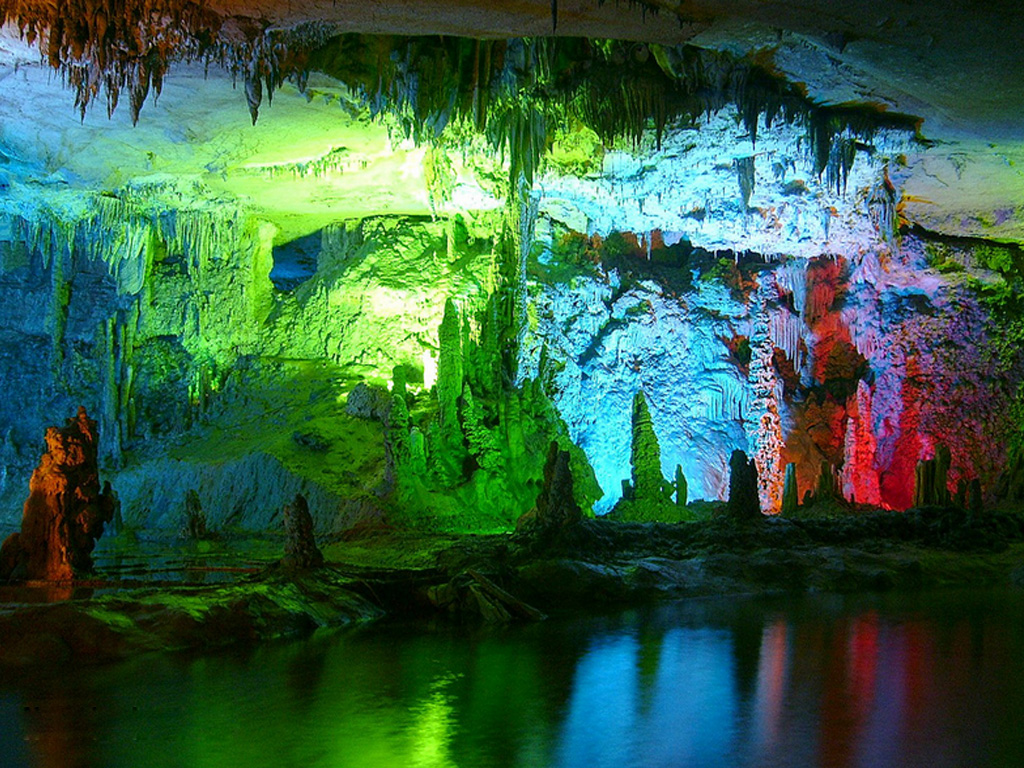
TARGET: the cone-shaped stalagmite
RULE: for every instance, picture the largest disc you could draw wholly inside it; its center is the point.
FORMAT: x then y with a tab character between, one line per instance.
556	504
681	487
648	482
974	502
930	480
195	518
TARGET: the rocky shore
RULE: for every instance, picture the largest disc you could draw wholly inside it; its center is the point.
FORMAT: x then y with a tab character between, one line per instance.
588	565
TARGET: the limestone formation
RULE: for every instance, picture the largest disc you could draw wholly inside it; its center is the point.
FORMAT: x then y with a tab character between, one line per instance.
974	501
648	482
195	518
828	484
556	504
300	549
930	480
65	511
112	508
680	487
368	402
790	496
744	504
396	440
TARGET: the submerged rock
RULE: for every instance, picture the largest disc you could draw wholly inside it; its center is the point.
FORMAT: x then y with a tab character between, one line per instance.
65	511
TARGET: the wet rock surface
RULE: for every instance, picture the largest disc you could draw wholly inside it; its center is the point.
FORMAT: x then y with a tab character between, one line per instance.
115	626
495	579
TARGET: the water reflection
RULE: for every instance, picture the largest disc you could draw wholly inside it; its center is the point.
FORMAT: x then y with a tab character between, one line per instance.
930	681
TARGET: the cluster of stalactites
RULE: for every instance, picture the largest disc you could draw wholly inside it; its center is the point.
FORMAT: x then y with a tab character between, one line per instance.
516	91
117	46
119	232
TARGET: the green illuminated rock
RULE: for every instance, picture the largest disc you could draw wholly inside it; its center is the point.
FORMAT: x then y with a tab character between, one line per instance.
645	457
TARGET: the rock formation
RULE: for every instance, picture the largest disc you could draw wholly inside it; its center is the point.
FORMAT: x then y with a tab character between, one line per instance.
974	501
300	549
930	480
790	498
681	487
195	518
648	482
65	511
556	504
744	504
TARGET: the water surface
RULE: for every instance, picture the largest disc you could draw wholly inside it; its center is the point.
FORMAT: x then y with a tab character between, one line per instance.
928	680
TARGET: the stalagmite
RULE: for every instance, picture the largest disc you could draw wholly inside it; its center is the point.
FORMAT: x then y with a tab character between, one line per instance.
790	494
680	487
300	549
556	504
65	511
743	496
645	456
930	480
764	425
195	518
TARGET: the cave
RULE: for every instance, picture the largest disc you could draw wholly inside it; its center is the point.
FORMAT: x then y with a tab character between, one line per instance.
531	384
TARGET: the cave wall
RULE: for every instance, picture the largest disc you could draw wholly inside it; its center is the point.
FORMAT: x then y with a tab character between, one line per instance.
163	321
759	304
867	362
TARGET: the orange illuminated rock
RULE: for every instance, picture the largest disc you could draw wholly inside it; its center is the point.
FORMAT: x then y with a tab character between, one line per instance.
65	511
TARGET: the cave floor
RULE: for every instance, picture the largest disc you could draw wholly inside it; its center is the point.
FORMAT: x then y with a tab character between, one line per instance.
166	594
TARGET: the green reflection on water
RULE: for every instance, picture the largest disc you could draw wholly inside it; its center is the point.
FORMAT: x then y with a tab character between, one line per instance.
888	681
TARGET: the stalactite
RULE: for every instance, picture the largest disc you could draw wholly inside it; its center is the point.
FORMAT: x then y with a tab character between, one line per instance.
745	177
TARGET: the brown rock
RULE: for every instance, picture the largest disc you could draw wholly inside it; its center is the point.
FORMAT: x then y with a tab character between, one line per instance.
65	511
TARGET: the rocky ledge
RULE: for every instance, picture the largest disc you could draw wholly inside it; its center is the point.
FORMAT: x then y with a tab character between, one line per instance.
584	565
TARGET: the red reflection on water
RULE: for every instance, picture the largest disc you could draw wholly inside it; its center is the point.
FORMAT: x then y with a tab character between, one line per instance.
772	675
863	662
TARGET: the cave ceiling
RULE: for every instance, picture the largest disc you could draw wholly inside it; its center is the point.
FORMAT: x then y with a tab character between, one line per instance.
314	154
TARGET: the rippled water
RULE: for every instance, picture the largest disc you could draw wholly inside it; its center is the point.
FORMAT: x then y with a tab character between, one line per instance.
928	680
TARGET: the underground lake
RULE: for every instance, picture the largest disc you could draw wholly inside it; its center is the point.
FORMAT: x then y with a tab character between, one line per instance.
930	679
